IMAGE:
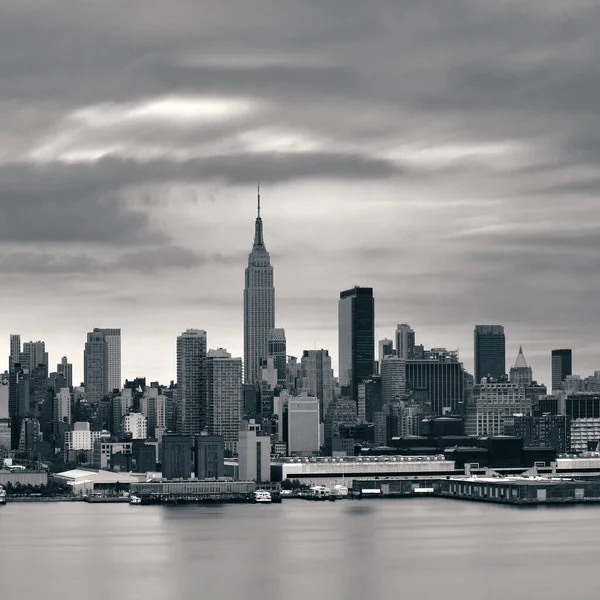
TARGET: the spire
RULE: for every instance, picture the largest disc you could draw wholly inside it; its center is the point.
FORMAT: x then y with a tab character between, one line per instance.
258	192
521	363
258	229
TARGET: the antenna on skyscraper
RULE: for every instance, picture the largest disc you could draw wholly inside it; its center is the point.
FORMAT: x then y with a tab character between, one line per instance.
258	192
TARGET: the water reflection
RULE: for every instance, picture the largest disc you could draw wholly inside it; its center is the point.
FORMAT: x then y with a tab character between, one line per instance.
424	548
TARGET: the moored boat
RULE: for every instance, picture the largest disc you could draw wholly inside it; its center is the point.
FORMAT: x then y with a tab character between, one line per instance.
261	497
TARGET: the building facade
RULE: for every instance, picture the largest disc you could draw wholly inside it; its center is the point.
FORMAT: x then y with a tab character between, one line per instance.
356	332
192	416
495	401
254	452
113	357
405	342
521	373
276	348
259	304
224	397
176	456
303	425
562	367
95	367
490	352
209	457
136	425
393	380
318	377
65	368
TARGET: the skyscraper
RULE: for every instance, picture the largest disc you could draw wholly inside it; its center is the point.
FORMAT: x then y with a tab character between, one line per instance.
224	397
95	369
259	304
191	382
405	342
490	352
65	368
356	330
15	351
316	368
276	347
113	341
562	366
393	379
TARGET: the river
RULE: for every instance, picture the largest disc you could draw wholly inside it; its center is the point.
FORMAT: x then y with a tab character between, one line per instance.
424	548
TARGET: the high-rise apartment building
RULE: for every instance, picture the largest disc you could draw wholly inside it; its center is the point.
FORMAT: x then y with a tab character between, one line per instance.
259	305
276	347
62	406
562	367
405	342
490	352
393	379
95	367
318	377
224	397
153	405
191	382
521	372
356	330
113	365
65	368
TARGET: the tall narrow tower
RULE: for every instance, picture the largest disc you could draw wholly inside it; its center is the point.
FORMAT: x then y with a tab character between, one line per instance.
259	304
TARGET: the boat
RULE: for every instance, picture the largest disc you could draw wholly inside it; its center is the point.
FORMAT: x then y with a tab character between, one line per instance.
261	497
319	492
135	499
2	495
340	491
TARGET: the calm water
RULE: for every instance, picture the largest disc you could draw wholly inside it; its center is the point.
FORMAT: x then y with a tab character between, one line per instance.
421	548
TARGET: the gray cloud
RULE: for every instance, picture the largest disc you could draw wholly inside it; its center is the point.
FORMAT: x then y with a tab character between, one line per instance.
397	106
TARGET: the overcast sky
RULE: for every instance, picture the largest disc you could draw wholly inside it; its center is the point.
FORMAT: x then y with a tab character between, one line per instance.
444	152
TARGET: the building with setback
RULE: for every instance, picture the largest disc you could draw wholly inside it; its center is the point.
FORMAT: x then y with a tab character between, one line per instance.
191	382
65	368
224	397
356	331
259	304
490	352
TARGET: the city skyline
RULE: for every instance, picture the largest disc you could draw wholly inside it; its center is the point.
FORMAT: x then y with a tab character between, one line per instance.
122	176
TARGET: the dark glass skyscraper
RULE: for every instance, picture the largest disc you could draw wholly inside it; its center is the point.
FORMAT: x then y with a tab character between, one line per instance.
562	365
356	329
490	352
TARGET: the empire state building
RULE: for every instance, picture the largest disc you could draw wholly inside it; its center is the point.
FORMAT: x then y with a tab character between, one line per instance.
259	304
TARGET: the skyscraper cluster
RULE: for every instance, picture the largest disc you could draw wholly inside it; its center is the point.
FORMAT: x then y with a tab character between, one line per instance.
296	403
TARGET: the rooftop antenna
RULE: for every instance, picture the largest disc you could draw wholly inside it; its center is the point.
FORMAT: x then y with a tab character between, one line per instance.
258	191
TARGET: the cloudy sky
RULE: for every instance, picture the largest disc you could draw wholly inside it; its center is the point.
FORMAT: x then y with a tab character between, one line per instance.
445	153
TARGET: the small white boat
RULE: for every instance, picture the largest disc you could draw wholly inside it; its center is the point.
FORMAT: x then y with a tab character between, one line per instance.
262	496
135	500
340	491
